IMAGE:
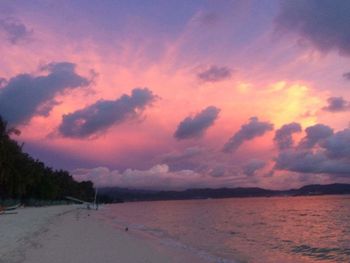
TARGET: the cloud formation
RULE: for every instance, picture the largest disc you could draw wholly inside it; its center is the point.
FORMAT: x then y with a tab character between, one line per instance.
337	104
254	128
194	127
338	145
315	134
214	74
283	136
157	177
15	30
306	161
103	114
252	166
323	23
218	171
346	75
321	151
187	159
25	96
2	82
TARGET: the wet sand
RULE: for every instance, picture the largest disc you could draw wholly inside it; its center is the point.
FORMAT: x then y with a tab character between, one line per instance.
70	234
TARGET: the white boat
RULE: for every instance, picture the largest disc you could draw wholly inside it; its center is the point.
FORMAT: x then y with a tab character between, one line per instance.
14	207
6	210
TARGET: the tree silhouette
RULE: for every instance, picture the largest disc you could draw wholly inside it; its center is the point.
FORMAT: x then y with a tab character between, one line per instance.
22	177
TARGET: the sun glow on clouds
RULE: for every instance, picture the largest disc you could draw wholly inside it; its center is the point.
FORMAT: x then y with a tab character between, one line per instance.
291	102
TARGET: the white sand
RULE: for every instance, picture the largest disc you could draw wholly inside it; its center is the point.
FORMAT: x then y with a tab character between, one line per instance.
66	234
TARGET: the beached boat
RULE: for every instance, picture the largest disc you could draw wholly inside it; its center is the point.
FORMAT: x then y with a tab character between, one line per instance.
89	205
14	207
9	209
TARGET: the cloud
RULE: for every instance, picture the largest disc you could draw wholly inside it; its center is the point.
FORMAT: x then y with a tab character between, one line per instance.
25	96
14	30
189	158
337	104
103	114
323	23
194	127
283	136
338	145
218	171
346	75
252	166
157	177
187	153
321	152
315	134
214	74
2	82
254	128
201	160
306	161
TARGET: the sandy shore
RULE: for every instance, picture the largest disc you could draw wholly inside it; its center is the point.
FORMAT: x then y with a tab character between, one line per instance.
68	234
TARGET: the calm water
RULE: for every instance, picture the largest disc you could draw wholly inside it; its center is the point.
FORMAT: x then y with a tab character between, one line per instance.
286	229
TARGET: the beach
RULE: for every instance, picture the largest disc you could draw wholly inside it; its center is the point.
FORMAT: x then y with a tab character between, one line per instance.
229	230
71	234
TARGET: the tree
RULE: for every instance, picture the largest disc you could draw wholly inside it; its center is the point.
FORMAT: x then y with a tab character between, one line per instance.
24	178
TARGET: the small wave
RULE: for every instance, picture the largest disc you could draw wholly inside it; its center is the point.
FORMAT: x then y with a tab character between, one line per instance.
165	239
321	253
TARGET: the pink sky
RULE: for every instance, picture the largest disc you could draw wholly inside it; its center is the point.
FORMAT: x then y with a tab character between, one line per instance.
241	58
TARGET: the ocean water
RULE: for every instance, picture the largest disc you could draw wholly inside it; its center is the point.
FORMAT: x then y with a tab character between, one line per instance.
278	229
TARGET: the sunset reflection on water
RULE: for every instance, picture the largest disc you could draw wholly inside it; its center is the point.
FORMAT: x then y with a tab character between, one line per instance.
283	229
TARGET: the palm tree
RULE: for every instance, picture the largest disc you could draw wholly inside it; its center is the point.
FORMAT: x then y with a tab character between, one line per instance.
9	152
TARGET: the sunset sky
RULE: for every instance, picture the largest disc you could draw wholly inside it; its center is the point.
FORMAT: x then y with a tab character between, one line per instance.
178	94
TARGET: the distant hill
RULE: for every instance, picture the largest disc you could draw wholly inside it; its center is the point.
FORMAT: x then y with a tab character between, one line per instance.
124	194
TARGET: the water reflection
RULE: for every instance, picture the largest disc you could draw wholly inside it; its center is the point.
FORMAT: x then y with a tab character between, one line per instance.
286	229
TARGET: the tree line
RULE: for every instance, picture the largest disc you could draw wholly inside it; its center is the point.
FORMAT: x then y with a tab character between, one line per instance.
25	178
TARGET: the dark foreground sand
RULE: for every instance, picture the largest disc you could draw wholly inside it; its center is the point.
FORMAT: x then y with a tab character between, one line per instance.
68	234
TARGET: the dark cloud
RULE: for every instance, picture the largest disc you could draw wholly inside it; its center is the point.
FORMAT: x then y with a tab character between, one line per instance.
338	145
346	75
315	134
337	104
214	74
218	171
324	23
307	161
252	166
14	30
254	128
188	159
186	154
321	152
283	136
2	82
24	95
193	127
105	113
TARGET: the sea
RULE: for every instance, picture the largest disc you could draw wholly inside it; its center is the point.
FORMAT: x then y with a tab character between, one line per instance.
257	230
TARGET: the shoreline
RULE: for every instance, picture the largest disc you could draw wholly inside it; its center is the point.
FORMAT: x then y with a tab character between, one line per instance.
71	234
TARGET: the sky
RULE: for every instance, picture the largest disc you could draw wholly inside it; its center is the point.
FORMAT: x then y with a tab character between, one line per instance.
180	94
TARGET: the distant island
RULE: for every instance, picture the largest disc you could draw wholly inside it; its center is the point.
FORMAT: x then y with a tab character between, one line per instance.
115	194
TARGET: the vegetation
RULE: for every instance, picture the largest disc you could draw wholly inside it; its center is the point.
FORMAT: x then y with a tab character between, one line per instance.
27	179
